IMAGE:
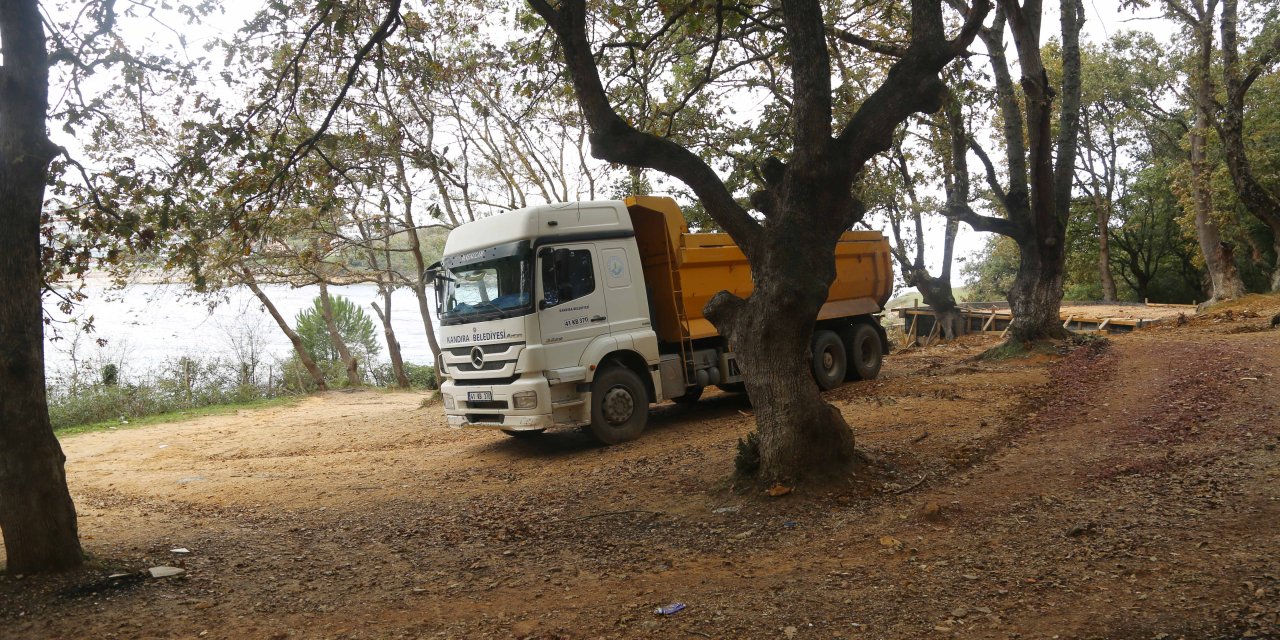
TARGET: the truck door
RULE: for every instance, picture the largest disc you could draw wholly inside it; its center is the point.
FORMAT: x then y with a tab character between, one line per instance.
571	303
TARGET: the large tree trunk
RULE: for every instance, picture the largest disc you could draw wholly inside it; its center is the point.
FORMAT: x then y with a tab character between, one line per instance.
348	360
1036	296
937	293
800	434
393	345
1219	256
1037	207
37	515
317	376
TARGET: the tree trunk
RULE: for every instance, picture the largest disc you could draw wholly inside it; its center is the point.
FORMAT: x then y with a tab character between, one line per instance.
1036	296
1260	201
317	376
801	436
1104	259
1103	212
937	293
393	346
1219	256
419	261
348	360
37	515
1275	273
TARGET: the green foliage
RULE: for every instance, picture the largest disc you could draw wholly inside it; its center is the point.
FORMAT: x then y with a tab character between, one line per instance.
747	461
420	376
355	328
177	385
990	274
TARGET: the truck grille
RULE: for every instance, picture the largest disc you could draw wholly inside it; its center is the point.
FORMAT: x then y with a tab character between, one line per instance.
489	365
485	418
484	382
486	348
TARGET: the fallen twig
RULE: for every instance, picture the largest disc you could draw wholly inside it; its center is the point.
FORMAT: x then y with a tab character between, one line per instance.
920	437
918	483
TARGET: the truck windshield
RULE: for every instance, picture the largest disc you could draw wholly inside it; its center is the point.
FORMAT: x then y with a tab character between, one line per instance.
483	285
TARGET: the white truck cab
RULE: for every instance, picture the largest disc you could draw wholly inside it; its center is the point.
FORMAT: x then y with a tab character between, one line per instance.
532	304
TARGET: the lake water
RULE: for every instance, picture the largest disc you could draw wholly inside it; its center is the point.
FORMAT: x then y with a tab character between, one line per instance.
145	325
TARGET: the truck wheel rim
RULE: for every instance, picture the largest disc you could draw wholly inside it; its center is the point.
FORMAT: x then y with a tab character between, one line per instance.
828	360
618	405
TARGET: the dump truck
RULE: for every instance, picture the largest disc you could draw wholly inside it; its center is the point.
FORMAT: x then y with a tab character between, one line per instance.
583	314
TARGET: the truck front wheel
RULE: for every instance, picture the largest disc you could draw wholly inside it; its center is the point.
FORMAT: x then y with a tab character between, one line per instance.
619	405
829	359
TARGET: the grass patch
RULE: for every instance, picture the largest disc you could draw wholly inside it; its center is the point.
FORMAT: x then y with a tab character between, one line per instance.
178	416
1010	349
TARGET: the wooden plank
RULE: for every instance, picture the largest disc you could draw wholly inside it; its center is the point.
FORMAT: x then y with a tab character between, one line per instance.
1104	324
1067	324
911	336
936	325
990	321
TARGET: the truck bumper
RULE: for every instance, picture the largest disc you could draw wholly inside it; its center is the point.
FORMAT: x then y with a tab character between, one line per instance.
500	412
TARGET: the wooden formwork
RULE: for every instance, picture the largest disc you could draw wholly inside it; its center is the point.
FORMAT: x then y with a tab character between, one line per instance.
922	329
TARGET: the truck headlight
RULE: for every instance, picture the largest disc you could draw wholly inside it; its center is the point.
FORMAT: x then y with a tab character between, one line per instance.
448	401
525	400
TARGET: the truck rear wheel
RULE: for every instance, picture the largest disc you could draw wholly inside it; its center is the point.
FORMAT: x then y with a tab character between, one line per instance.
865	352
619	405
829	359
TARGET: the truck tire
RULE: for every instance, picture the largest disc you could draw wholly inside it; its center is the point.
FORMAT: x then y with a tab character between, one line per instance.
829	359
866	354
619	405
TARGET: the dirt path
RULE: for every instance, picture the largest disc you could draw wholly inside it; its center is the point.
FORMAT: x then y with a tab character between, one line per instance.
1139	497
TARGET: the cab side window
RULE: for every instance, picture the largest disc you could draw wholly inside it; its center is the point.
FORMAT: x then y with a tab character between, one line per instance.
567	274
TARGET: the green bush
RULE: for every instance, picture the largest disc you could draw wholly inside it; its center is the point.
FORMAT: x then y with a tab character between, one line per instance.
420	376
354	327
178	385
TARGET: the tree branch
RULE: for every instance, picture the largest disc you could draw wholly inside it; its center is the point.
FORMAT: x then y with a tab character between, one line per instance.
614	140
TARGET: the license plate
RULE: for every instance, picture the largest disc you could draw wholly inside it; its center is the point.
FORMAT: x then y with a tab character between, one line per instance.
473	396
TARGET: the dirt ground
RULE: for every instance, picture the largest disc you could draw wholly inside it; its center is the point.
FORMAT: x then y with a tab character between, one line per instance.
1131	491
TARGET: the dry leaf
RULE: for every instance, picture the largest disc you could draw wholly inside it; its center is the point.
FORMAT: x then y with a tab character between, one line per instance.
778	490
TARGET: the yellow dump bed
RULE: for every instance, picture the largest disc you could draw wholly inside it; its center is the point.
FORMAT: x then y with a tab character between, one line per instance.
683	270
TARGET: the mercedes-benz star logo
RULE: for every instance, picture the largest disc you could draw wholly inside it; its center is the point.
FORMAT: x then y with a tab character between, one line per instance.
477	357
